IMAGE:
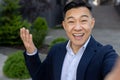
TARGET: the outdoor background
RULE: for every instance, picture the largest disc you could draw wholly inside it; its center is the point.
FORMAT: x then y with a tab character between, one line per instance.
43	17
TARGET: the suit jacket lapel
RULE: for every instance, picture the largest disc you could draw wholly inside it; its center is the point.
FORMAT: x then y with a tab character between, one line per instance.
59	61
87	56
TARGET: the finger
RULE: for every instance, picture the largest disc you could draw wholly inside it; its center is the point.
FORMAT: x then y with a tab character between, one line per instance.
27	36
30	38
22	32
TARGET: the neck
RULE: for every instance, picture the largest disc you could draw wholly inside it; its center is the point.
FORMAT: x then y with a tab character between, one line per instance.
75	48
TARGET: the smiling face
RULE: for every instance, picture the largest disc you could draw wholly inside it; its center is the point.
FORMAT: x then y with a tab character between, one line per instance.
78	24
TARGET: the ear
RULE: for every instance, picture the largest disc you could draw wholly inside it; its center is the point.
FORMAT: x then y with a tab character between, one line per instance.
92	23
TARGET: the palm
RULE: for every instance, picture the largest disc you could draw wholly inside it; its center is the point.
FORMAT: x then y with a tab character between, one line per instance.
27	40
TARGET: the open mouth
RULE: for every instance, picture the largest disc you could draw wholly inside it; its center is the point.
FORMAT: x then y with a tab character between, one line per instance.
78	36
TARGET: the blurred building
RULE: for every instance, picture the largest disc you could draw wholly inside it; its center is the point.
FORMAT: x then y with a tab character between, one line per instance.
51	10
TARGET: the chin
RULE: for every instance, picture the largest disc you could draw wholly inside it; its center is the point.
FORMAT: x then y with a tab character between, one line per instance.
78	43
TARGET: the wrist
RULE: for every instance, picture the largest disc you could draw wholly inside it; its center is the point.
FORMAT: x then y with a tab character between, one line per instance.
31	51
31	54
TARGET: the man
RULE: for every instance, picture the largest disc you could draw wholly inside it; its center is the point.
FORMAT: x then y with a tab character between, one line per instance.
80	58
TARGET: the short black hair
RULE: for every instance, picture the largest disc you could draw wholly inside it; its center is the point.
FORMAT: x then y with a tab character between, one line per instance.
75	4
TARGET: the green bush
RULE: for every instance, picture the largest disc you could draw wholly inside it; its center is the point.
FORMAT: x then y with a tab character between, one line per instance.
9	34
15	67
39	31
57	40
10	22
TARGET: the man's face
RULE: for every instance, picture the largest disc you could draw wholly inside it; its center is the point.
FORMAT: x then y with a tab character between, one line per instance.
78	24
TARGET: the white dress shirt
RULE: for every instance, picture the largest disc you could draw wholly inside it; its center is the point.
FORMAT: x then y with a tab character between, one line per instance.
71	61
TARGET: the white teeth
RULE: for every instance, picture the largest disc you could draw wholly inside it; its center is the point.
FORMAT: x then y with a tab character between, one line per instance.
77	34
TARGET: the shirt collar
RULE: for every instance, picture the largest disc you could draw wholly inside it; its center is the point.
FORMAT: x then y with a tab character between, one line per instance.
86	43
84	46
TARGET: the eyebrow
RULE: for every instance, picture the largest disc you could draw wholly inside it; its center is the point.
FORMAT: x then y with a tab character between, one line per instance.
71	17
84	16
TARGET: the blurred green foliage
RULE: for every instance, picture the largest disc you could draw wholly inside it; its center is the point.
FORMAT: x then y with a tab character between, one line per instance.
10	22
57	40
15	67
39	31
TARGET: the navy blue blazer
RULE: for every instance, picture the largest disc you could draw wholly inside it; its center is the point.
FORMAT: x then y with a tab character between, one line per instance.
96	62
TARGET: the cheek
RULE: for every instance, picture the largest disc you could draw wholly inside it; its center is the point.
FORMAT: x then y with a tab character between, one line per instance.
87	29
68	29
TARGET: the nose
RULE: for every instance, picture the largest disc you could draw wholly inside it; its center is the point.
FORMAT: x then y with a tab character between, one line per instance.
78	27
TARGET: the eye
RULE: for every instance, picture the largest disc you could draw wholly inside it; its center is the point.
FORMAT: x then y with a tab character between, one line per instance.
83	20
70	21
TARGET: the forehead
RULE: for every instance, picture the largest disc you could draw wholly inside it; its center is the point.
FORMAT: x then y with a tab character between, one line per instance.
78	12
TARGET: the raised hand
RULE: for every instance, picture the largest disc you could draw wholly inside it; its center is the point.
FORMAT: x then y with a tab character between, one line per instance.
27	40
